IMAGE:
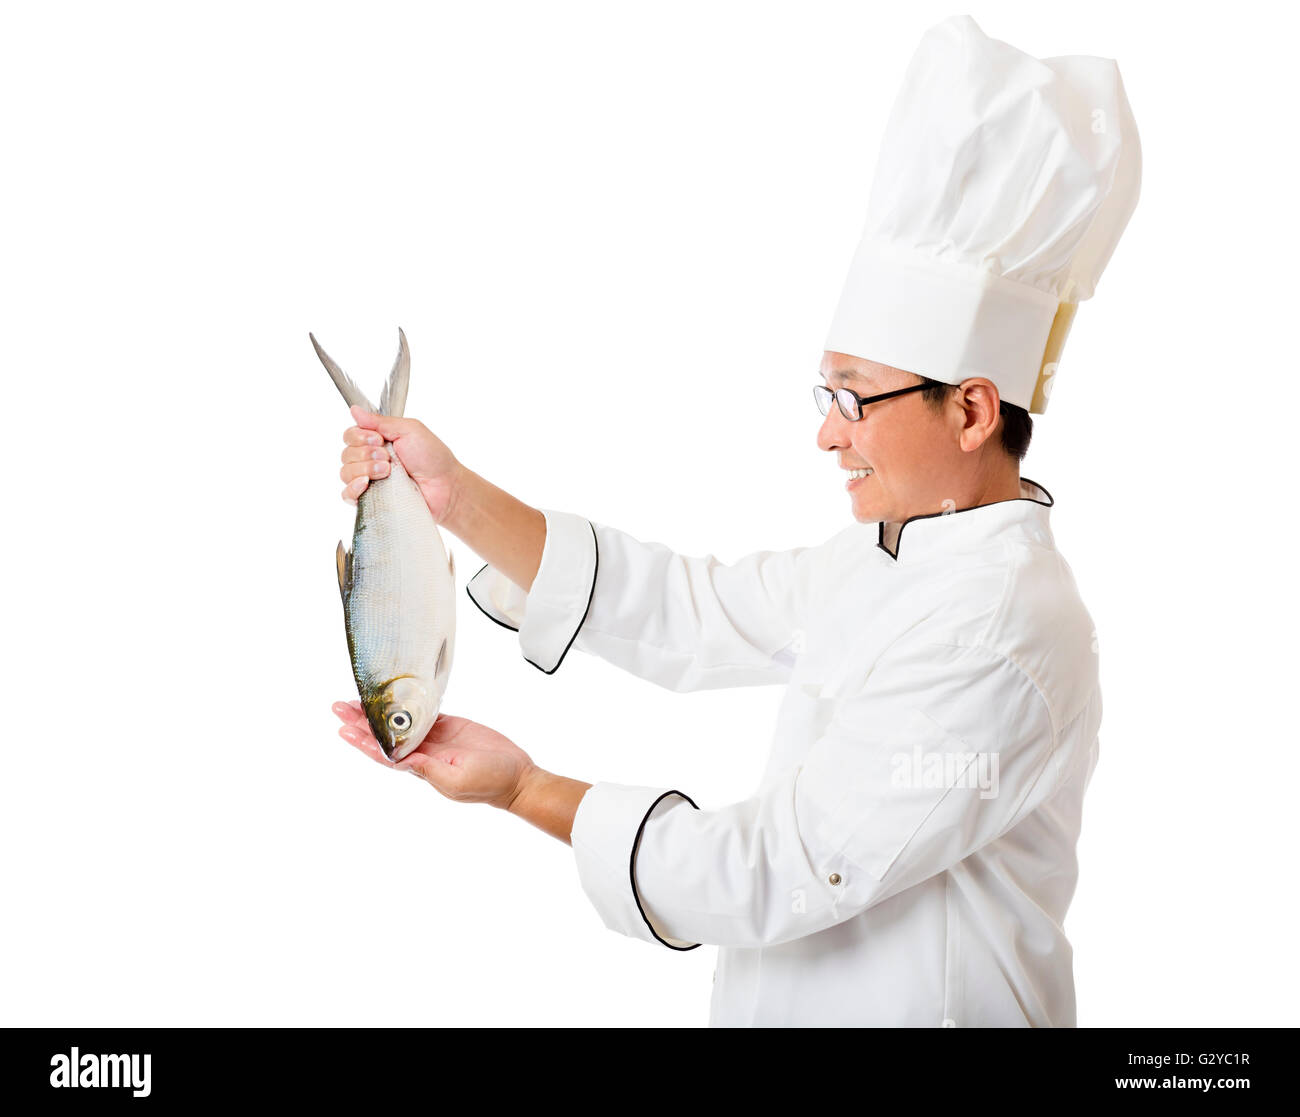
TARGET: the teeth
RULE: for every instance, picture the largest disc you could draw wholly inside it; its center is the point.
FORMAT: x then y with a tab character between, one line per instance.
855	474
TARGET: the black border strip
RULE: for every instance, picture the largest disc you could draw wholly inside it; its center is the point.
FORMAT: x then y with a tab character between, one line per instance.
898	543
631	865
594	573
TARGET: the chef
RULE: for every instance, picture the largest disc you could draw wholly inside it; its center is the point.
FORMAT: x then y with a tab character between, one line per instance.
909	855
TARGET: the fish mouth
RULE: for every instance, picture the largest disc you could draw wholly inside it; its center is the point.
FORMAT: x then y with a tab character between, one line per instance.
381	733
401	750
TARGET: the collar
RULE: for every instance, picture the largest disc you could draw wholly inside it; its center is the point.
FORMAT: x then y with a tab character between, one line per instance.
938	533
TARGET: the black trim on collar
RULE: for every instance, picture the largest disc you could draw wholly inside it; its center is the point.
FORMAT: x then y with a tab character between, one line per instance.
898	543
594	572
631	866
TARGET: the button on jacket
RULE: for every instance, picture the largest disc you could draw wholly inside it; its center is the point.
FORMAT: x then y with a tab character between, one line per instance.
909	855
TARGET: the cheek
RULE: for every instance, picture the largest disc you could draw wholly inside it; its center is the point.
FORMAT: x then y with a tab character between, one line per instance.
896	449
873	445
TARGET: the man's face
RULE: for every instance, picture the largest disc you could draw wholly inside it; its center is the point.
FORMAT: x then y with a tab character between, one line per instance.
911	447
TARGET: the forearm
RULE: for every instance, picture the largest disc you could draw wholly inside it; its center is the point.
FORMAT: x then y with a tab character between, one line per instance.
549	802
508	533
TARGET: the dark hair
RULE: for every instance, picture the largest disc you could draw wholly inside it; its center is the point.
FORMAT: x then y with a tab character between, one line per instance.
1017	426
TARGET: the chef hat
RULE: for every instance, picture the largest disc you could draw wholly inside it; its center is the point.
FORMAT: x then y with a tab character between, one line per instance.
1003	185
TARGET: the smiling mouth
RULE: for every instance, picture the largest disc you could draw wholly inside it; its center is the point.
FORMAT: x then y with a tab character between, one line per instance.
857	476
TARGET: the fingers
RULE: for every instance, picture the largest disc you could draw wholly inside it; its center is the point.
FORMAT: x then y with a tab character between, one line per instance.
365	453
362	464
386	425
356	475
350	712
364	742
364	457
356	730
352	470
355	436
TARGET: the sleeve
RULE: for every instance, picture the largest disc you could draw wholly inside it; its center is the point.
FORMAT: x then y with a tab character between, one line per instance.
685	623
948	749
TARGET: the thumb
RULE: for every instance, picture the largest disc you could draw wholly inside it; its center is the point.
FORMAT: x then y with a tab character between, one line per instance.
441	773
386	425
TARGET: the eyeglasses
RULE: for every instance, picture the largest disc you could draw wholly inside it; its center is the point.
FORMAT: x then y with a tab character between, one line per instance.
850	402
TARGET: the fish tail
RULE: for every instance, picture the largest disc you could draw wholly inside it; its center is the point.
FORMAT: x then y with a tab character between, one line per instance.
392	401
352	395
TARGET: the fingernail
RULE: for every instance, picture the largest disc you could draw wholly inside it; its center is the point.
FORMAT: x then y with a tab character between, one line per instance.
379	455
373	439
378	468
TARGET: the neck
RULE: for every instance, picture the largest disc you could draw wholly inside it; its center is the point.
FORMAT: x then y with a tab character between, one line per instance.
1004	485
997	485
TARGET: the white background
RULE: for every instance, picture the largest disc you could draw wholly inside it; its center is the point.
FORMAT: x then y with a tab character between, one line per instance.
614	235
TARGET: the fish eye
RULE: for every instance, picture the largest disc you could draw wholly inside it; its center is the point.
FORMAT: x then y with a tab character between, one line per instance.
400	720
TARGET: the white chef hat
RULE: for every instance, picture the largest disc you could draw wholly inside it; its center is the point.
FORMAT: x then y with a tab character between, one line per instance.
1003	185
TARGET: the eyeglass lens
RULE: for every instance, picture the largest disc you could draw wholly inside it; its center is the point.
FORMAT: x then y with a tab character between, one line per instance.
848	403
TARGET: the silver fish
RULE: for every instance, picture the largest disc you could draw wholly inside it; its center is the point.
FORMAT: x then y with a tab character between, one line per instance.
398	584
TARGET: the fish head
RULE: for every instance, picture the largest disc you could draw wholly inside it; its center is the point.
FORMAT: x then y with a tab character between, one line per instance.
401	714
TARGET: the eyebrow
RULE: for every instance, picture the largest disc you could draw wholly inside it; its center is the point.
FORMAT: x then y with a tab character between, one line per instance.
851	375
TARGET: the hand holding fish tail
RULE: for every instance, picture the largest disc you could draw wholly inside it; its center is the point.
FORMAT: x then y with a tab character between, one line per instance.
500	528
431	465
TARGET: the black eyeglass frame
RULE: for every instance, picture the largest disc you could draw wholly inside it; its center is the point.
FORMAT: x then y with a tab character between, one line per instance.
859	401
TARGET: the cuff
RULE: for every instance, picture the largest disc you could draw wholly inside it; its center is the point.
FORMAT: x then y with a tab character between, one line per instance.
607	830
549	616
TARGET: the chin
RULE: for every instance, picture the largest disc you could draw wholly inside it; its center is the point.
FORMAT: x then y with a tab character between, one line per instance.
865	514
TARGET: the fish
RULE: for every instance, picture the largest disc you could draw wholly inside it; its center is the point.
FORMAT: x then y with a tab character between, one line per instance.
398	584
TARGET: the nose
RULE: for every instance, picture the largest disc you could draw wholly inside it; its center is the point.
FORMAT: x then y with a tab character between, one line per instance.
833	433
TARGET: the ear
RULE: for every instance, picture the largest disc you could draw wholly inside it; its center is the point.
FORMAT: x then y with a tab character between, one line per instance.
982	409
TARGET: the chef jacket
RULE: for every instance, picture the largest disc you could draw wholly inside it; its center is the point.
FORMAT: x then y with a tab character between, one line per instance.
909	855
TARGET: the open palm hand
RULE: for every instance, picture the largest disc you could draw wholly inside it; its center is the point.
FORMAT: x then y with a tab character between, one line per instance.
465	761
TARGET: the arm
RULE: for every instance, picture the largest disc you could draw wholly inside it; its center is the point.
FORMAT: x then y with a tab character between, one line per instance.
549	802
556	578
682	622
942	752
503	529
901	786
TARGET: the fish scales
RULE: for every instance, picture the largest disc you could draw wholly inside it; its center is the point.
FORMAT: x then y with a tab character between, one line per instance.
394	548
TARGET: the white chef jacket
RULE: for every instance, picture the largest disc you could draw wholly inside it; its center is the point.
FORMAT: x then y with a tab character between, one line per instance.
909	855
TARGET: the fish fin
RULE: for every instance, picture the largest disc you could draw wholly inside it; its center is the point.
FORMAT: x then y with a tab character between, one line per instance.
351	394
343	560
392	400
442	654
